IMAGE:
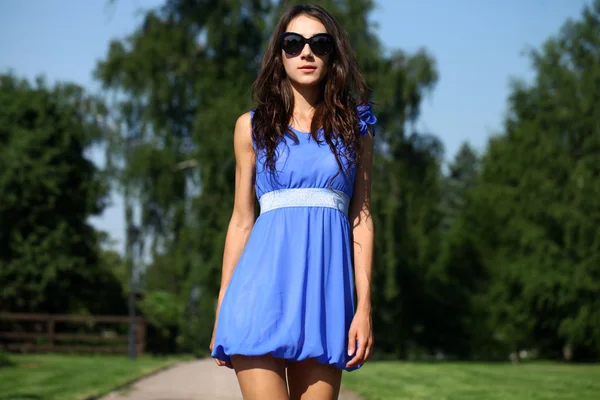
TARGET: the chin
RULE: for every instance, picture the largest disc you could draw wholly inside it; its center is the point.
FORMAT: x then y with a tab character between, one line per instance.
308	81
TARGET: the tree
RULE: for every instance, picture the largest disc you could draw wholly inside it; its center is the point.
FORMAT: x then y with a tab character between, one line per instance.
452	276
184	75
49	253
462	175
538	203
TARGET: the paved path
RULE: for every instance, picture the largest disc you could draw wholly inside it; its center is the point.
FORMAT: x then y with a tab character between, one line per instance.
194	380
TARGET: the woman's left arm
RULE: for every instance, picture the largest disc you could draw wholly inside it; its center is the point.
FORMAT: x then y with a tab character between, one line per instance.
363	236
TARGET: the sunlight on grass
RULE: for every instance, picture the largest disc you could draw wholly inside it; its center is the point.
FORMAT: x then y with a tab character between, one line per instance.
474	381
71	377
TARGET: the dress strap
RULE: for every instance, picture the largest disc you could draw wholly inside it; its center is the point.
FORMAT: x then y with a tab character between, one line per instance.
252	128
366	118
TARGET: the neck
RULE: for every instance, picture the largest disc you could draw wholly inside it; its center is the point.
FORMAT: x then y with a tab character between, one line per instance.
305	100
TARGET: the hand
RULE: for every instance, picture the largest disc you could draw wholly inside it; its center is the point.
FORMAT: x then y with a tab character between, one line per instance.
220	363
360	330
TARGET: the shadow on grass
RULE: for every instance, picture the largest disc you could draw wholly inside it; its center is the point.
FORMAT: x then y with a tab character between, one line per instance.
6	361
22	397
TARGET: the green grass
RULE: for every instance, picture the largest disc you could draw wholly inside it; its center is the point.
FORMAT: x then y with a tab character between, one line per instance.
385	380
5	360
71	377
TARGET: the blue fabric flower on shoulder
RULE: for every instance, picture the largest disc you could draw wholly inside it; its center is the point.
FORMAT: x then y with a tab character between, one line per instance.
366	118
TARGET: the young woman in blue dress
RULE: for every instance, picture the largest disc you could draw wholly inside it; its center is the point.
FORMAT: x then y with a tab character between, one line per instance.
287	320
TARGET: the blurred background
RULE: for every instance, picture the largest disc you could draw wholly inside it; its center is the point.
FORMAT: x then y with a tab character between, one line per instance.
117	172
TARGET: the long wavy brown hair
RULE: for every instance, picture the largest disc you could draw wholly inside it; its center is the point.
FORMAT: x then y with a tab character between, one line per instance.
343	89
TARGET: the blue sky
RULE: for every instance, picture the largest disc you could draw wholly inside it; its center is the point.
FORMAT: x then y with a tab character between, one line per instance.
477	45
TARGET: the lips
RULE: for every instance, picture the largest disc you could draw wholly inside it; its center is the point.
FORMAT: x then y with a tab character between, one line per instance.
308	68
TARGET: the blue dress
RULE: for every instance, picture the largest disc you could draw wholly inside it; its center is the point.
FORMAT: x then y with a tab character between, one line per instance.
291	294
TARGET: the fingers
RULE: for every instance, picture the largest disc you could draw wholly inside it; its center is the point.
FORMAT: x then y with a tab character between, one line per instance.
351	342
219	362
365	347
359	357
222	363
368	350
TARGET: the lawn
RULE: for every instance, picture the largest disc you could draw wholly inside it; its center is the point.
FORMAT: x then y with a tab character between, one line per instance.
70	377
474	381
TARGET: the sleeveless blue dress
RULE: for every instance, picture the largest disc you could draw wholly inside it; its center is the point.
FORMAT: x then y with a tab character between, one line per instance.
291	294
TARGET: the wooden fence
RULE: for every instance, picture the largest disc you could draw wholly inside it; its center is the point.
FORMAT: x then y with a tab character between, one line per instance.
43	334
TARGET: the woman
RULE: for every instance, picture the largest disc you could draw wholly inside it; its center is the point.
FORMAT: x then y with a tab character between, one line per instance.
287	288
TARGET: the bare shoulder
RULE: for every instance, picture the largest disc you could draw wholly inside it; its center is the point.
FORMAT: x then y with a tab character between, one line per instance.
243	121
242	135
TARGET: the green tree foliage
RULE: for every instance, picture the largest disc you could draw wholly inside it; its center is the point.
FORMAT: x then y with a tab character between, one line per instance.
538	203
462	175
49	253
184	75
454	275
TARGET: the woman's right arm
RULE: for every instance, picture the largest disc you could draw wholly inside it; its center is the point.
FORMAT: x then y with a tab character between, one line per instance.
243	215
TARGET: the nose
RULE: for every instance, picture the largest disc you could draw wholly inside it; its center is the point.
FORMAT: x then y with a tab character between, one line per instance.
306	51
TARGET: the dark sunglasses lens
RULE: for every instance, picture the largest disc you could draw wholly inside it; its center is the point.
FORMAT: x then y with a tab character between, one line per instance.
292	44
321	45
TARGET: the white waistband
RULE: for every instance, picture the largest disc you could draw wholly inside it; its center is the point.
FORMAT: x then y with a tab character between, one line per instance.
304	197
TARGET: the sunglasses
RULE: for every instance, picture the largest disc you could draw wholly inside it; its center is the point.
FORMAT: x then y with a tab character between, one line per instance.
321	44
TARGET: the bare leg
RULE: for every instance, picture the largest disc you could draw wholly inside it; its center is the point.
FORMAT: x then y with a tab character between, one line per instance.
261	377
311	380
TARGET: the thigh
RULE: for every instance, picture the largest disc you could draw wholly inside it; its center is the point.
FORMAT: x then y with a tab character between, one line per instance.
261	377
310	380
